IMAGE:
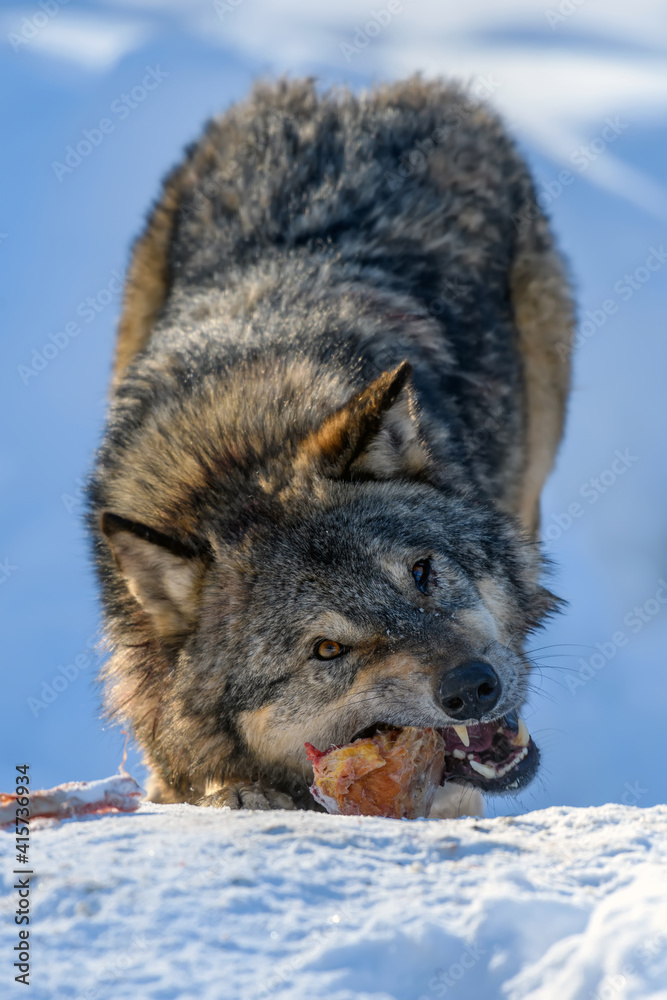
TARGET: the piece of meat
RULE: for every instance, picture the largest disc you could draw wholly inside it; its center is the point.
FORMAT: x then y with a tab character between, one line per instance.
394	773
77	798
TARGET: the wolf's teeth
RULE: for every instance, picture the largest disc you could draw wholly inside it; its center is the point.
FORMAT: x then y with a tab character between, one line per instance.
459	754
522	738
513	763
489	771
486	770
462	733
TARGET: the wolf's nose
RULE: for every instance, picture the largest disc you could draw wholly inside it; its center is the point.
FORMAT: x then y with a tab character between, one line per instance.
470	690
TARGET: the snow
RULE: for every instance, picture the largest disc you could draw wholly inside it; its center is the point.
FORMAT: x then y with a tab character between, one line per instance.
183	902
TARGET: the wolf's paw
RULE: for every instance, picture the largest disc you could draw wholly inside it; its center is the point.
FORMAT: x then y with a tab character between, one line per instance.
247	795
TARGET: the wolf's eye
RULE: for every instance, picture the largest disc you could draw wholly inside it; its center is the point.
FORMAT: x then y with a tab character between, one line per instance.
329	650
420	574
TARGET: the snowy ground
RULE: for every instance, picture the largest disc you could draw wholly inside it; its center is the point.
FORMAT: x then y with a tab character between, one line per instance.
181	902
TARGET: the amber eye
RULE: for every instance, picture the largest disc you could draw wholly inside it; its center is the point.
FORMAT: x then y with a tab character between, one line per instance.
420	574
329	650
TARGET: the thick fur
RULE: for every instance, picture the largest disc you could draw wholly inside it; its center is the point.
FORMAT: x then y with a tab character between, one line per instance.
337	356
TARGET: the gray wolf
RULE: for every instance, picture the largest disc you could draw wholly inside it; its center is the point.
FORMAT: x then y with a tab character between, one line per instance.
340	383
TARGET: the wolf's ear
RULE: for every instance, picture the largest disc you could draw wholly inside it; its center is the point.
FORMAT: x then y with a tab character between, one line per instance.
375	434
160	573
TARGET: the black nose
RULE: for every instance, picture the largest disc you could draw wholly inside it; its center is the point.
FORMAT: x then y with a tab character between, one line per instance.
470	690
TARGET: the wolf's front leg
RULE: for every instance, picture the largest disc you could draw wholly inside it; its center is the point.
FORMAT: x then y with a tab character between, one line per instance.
456	800
247	795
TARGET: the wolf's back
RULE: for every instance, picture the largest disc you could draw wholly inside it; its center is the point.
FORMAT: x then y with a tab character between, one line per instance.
415	184
330	237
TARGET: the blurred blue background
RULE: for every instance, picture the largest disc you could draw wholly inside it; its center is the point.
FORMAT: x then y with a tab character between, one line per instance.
584	88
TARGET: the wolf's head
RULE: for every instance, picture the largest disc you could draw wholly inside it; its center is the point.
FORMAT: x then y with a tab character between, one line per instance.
353	587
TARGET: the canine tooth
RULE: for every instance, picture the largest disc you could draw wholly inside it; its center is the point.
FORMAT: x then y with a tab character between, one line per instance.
522	738
459	754
486	770
462	733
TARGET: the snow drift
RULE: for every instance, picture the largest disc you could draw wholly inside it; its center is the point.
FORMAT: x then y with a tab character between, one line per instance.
183	902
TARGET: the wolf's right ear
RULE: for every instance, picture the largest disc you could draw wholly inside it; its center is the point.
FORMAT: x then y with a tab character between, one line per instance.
375	434
162	575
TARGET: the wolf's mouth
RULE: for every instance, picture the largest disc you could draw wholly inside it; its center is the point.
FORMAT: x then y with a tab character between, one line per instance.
496	756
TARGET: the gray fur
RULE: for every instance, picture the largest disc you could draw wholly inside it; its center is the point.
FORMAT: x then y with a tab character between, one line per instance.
306	257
